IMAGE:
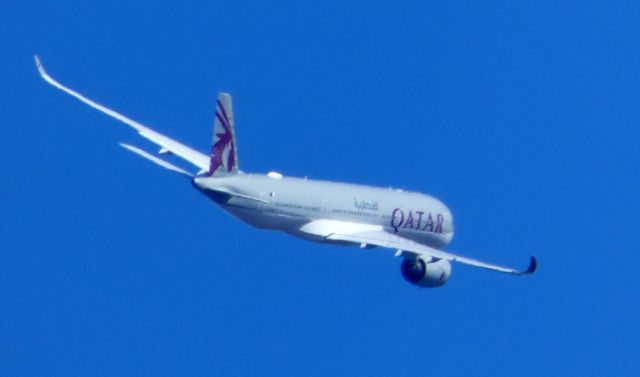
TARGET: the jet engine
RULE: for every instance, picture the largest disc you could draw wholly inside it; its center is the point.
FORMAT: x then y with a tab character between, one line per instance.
426	274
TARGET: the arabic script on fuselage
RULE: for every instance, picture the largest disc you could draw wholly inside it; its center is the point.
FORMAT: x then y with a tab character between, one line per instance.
364	204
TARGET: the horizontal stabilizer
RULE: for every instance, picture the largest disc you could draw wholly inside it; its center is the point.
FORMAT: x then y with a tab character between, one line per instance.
155	159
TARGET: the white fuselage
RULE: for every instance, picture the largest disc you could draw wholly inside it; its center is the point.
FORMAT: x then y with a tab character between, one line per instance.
286	204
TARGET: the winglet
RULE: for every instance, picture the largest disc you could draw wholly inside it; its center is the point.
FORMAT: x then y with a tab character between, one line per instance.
44	73
533	265
39	65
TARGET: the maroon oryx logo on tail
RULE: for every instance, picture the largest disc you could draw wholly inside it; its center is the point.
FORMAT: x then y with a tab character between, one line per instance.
222	140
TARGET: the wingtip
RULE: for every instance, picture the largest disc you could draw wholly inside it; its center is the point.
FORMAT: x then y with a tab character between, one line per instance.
533	265
39	65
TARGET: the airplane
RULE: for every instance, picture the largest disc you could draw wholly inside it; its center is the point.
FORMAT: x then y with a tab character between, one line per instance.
417	226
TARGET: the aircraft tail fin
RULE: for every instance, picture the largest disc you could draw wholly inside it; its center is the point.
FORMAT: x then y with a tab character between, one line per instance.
224	154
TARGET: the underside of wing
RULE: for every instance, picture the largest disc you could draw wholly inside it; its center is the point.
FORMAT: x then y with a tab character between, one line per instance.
365	234
167	144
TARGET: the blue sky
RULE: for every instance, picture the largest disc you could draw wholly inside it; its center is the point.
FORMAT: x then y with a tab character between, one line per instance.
522	116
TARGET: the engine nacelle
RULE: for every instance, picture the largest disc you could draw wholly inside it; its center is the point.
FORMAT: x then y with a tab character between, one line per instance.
426	274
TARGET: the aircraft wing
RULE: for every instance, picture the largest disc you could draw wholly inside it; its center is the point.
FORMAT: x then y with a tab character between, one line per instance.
167	144
376	235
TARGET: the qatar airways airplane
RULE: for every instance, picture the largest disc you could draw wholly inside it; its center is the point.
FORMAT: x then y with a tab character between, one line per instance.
417	226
